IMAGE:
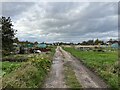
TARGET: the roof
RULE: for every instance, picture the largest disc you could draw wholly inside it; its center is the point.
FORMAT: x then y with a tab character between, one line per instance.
41	45
15	44
30	45
115	45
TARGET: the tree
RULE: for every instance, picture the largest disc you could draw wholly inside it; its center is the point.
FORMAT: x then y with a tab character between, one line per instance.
90	42
84	43
16	40
36	43
8	34
110	41
96	41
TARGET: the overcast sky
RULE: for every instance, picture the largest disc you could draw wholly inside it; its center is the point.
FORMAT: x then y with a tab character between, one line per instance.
63	21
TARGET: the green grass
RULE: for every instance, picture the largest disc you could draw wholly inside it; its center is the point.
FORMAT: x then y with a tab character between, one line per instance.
52	49
70	78
103	63
8	67
14	62
30	74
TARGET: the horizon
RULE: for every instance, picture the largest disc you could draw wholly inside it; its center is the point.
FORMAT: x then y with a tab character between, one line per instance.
68	42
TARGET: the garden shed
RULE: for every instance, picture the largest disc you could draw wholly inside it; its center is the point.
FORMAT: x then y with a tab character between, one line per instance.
30	45
115	45
41	45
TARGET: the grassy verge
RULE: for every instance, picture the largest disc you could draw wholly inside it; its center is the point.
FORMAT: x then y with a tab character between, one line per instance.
104	64
70	78
8	67
30	74
12	62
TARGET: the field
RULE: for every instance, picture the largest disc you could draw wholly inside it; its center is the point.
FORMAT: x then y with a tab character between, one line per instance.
28	73
105	64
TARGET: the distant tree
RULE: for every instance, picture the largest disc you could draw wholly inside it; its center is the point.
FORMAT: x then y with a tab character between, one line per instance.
71	43
61	43
96	41
22	51
110	41
36	43
79	43
90	42
102	43
16	40
8	33
84	43
27	42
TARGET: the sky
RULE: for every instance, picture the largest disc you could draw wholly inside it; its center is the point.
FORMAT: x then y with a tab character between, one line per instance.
63	21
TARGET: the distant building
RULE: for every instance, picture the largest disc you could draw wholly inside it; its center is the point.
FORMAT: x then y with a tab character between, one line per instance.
112	42
41	45
86	47
115	45
30	45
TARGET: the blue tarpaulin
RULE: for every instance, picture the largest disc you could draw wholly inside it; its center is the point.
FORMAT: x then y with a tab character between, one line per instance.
115	45
42	45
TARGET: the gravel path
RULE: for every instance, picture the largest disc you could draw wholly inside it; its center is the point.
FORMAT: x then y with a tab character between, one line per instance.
85	77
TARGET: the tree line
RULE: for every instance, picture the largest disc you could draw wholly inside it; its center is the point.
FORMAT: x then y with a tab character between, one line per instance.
93	42
8	37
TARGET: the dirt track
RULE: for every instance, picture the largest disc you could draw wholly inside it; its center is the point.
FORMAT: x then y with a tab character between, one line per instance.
85	77
56	77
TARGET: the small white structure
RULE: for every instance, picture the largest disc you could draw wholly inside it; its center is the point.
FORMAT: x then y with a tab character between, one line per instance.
37	51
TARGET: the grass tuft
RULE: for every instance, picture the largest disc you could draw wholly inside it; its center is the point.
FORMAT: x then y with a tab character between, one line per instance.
70	78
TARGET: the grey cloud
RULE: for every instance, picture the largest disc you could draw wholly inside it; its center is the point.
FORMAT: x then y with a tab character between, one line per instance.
90	23
14	8
65	21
